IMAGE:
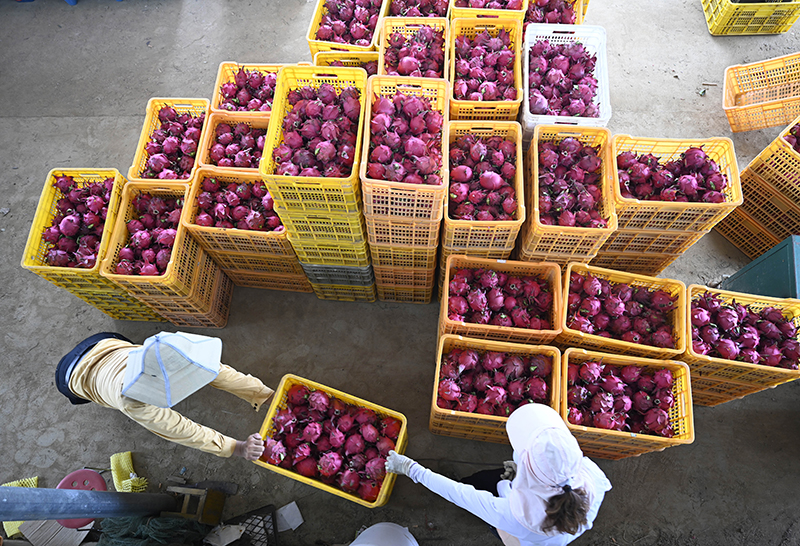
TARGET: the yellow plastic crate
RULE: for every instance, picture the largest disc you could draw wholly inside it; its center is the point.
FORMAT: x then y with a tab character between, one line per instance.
648	241
194	107
769	207
35	257
280	401
355	59
344	254
633	262
405	294
344	292
291	282
563	260
333	227
316	46
181	273
490	254
673	216
205	288
677	318
476	426
118	305
215	315
301	193
404	277
226	73
561	241
546	271
383	231
516	14
411	201
728	379
209	138
779	165
746	234
500	110
762	94
405	256
408	27
616	444
232	240
499	235
258	263
726	18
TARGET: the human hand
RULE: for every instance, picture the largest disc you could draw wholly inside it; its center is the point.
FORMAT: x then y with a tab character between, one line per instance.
250	449
509	470
398	464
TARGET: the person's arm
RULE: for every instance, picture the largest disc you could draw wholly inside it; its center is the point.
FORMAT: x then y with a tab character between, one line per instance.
248	388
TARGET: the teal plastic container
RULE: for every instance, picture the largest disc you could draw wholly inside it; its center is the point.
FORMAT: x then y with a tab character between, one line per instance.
775	273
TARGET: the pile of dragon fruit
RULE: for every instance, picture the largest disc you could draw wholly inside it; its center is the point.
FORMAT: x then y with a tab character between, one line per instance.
250	91
172	147
620	311
693	178
242	206
492	383
736	332
78	224
570	184
405	143
349	21
482	173
418	8
420	55
626	398
152	232
551	12
371	67
793	137
319	436
237	145
561	80
486	296
319	133
490	4
484	68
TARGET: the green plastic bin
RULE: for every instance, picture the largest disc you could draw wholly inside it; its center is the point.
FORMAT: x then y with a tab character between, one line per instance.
775	273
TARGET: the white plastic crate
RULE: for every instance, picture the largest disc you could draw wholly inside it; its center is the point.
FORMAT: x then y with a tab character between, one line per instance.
593	39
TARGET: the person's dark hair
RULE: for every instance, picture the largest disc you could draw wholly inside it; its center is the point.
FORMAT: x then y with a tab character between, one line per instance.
566	512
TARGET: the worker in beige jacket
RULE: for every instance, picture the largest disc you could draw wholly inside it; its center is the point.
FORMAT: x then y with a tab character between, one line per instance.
145	381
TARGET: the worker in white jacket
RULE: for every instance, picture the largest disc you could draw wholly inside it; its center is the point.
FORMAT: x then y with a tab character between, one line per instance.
554	496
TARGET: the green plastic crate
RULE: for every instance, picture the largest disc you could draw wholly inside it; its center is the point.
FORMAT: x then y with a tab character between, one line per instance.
775	273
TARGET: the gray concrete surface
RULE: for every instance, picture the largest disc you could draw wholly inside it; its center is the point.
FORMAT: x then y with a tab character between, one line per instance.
74	82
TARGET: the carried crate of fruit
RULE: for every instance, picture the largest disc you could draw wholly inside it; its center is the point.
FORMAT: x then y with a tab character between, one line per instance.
508	9
625	313
388	189
491	216
211	221
67	248
586	216
368	60
478	301
674	184
324	178
425	37
245	88
335	29
729	17
170	138
739	343
298	411
620	406
144	257
496	98
479	383
585	76
762	94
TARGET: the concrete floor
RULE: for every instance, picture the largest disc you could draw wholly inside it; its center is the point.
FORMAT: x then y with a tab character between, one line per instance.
75	81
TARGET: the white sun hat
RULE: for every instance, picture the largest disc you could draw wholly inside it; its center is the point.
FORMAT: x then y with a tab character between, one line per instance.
168	367
548	458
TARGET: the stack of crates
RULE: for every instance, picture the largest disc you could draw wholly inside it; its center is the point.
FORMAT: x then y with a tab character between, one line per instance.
85	284
771	208
403	220
193	291
322	216
653	234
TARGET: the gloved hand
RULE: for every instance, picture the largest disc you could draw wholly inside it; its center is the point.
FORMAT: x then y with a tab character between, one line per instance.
509	470
398	464
250	449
